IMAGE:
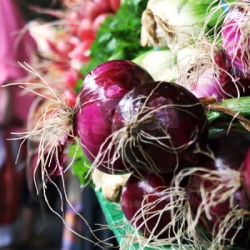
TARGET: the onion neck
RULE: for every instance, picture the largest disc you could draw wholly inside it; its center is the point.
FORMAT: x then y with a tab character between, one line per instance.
246	175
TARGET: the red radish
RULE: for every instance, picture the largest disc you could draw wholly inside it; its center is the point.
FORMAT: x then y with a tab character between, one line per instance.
101	91
70	78
159	126
72	19
100	19
93	8
87	35
62	48
70	95
81	51
85	29
115	4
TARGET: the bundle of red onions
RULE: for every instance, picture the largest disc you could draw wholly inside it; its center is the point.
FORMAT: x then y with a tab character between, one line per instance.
219	65
184	184
99	96
235	35
162	136
158	131
218	190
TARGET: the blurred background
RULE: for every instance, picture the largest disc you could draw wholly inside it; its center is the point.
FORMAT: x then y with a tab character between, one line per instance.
26	220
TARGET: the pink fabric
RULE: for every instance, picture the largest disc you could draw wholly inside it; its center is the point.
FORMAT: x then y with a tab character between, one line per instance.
21	103
16	46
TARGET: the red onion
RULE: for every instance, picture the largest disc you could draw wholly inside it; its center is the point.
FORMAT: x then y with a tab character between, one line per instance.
158	127
208	85
203	73
50	167
149	202
218	191
45	167
101	91
235	35
222	81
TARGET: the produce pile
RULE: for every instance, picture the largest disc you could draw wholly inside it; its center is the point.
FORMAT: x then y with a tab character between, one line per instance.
160	123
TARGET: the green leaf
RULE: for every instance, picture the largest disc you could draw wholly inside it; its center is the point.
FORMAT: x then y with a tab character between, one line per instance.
119	35
81	165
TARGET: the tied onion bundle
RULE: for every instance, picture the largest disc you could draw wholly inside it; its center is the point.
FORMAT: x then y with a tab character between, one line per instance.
126	122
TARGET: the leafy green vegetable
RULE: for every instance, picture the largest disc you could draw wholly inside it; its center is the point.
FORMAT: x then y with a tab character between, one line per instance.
81	164
119	35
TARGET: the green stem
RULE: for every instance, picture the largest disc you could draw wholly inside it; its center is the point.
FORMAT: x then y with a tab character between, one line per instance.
239	105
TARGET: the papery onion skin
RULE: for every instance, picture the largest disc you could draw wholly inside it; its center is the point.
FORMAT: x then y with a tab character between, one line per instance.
100	93
235	36
177	115
46	168
232	81
238	86
208	85
222	81
229	150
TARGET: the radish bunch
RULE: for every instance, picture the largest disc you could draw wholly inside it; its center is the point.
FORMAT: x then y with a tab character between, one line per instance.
64	45
77	32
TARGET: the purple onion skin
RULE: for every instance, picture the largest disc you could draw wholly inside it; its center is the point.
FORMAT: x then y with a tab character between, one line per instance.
100	93
235	40
52	169
135	190
180	123
229	150
208	85
231	82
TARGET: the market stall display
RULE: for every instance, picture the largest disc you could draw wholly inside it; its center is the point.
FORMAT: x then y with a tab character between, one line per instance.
155	123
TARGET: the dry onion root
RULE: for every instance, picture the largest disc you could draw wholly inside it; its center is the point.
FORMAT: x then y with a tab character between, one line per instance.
209	203
156	209
148	123
50	124
218	192
51	131
203	200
